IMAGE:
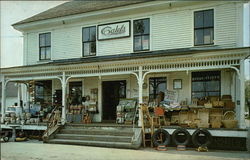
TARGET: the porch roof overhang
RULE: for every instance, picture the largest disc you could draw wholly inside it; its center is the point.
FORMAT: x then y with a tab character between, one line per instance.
154	61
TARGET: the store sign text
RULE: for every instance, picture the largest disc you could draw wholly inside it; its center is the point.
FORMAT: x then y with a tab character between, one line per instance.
116	30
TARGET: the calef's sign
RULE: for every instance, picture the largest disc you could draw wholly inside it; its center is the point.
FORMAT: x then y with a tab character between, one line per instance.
114	30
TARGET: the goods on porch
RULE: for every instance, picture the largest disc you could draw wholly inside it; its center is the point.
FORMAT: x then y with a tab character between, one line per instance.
215	117
229	120
125	111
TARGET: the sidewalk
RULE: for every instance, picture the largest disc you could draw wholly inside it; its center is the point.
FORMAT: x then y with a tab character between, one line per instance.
35	150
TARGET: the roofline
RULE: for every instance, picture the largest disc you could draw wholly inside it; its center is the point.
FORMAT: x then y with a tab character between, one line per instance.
20	26
19	23
128	56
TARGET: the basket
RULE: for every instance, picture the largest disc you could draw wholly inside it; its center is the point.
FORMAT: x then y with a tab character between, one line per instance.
230	123
229	115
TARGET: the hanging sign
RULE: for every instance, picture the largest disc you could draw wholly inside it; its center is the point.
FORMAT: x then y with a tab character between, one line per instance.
114	30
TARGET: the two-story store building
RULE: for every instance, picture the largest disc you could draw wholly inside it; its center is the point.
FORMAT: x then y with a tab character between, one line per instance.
103	51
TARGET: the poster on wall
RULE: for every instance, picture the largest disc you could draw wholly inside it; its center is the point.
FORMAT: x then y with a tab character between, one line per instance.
114	30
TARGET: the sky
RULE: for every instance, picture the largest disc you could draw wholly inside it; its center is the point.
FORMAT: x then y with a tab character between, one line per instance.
12	40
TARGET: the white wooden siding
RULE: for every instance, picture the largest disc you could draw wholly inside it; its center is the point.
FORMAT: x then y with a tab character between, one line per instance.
32	48
172	30
225	25
114	46
169	29
67	43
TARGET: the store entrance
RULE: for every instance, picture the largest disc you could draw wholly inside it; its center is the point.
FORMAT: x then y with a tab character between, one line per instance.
112	91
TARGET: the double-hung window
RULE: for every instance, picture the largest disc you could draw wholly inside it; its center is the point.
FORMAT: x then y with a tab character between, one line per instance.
44	46
141	34
206	84
89	41
204	27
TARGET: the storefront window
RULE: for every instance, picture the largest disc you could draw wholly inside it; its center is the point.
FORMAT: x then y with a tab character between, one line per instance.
141	35
43	92
156	85
205	84
75	92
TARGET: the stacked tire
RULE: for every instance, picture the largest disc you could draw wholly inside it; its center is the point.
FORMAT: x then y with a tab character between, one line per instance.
181	137
161	138
201	137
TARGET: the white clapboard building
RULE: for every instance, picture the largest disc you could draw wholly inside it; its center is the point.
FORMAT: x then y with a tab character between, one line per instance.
107	50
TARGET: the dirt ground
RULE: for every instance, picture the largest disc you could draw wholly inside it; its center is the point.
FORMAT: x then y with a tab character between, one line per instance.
36	150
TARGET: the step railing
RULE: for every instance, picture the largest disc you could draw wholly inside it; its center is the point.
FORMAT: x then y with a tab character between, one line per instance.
52	123
135	136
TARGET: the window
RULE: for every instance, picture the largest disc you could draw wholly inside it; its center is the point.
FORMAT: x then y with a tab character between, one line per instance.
43	92
89	41
205	84
141	35
75	92
44	46
204	27
156	85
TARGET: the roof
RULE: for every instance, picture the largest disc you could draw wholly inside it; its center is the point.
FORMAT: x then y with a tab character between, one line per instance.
78	7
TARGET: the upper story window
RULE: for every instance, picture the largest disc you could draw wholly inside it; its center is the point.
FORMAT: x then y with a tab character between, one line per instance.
204	27
44	46
89	41
141	34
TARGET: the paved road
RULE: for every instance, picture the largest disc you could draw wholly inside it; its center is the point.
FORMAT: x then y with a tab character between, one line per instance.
32	150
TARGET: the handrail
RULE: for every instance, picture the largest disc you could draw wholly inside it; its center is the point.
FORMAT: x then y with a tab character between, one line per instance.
50	122
137	109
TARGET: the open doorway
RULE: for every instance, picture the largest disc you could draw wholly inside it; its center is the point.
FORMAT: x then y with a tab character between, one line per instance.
112	91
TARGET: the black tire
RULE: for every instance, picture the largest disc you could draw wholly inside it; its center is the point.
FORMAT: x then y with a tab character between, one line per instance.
185	136
165	138
201	137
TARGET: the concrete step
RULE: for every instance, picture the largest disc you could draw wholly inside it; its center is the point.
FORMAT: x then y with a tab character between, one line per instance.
98	127
107	138
95	143
87	131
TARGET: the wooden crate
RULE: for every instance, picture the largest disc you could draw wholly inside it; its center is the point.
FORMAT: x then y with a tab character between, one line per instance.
183	117
203	115
174	118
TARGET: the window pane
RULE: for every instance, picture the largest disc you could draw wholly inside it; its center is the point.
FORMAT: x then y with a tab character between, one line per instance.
209	18
42	53
198	86
42	40
92	34
198	37
85	34
145	42
198	19
48	53
208	36
139	27
93	48
86	49
137	43
47	39
146	26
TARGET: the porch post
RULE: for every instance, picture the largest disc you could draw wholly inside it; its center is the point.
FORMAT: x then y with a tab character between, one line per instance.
242	96
140	83
63	98
18	95
3	99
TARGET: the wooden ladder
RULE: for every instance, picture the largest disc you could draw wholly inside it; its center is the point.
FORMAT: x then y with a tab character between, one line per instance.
147	125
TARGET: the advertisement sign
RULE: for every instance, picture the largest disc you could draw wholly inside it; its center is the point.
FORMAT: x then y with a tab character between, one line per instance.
114	30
